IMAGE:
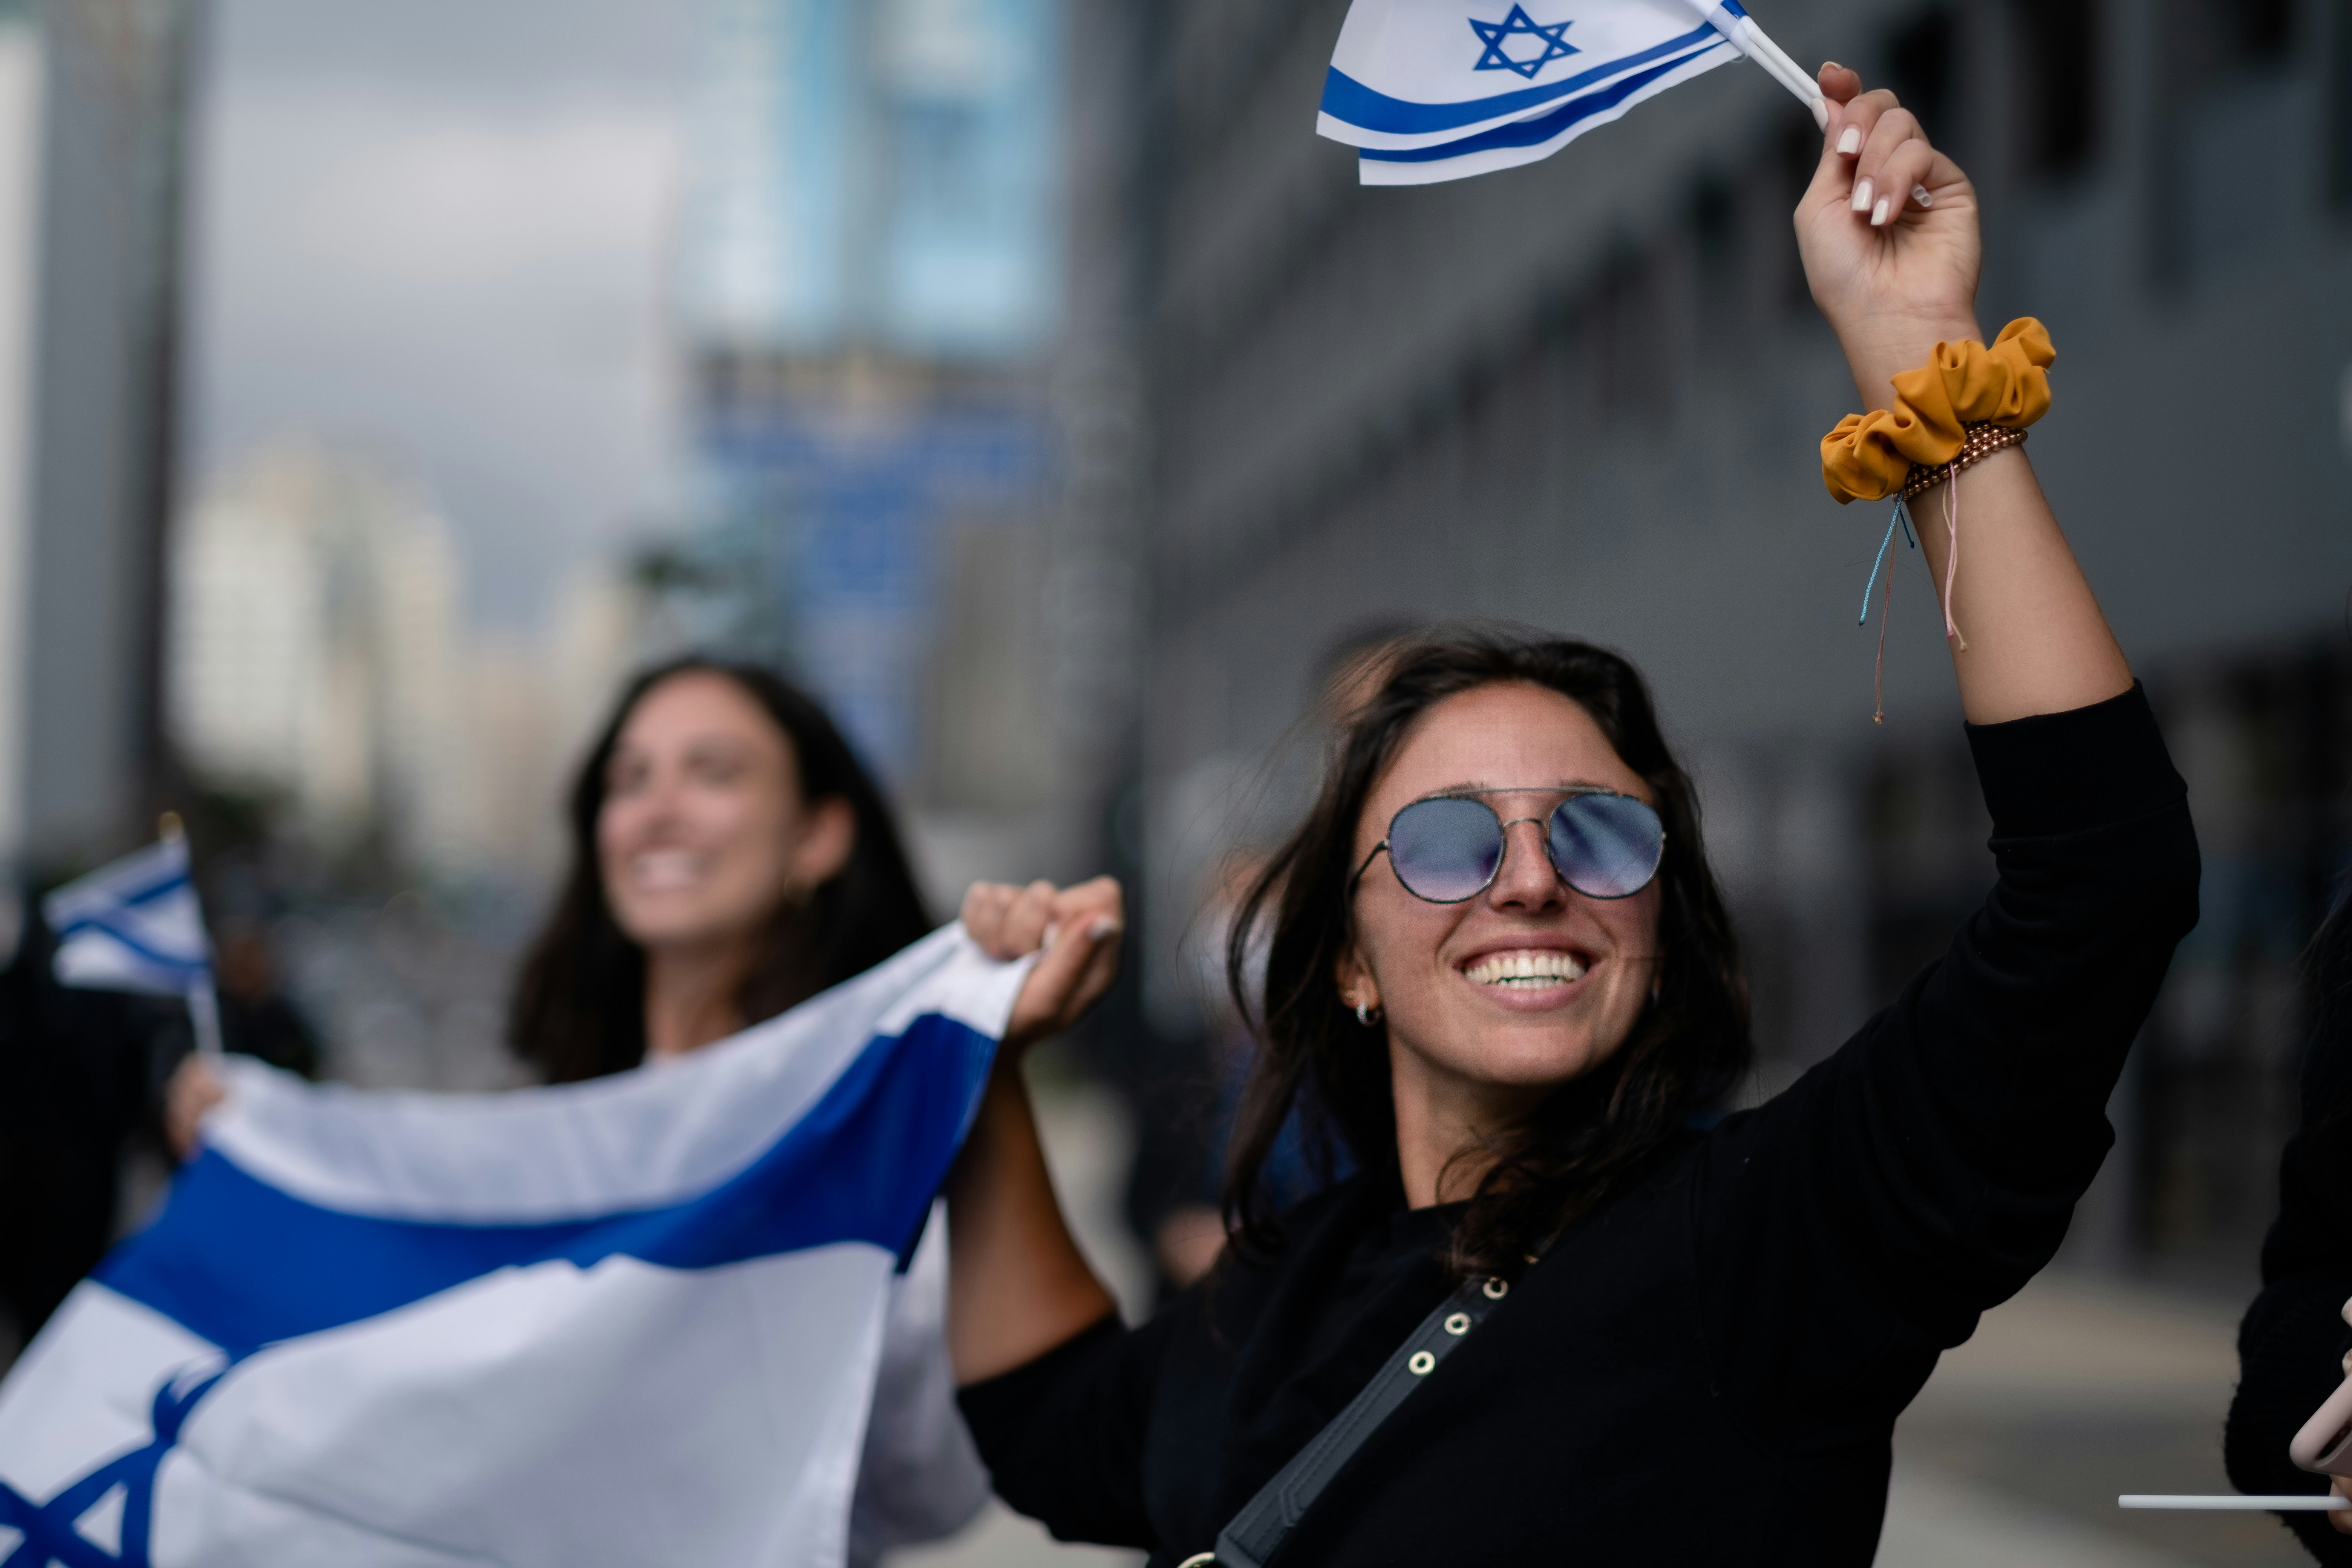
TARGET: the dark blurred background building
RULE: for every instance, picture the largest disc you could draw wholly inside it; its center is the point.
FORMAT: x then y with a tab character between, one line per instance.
91	97
1587	394
90	125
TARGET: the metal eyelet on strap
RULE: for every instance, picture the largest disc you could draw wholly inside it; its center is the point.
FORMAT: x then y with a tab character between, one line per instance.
1458	1324
1420	1362
1498	1288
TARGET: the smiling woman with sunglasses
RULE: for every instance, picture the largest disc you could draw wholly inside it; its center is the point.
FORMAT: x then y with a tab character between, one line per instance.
1566	1310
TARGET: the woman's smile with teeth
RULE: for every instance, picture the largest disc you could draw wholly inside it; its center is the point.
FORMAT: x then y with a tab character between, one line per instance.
1540	966
662	870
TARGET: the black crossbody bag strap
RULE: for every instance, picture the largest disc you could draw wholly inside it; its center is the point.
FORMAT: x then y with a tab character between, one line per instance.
1265	1522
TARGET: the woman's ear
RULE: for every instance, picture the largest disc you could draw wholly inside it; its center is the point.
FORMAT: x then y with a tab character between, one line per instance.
827	838
1354	979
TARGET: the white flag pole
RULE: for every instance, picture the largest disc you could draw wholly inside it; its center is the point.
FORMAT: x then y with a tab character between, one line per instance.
1750	41
2293	1502
204	1012
204	1001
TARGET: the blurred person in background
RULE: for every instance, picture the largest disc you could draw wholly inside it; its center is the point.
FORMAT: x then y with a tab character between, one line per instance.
1189	1124
78	1075
81	1143
2295	1347
730	858
258	1018
1500	974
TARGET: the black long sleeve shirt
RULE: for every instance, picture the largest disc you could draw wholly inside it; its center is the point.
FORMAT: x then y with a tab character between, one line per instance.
1706	1369
2290	1346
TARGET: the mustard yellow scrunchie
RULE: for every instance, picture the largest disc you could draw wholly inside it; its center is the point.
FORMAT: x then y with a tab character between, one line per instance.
1868	456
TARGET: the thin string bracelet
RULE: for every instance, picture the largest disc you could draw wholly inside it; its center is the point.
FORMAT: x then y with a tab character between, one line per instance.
1901	514
1952	552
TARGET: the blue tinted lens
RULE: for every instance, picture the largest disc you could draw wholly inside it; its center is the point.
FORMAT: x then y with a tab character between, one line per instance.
1606	846
1445	851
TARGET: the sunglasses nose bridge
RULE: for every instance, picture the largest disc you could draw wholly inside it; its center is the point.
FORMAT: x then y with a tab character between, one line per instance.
1542	849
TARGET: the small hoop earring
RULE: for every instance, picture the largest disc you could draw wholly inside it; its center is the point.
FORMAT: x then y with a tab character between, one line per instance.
1366	1014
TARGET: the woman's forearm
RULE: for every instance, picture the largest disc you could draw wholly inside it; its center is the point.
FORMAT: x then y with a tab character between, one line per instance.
2036	640
1017	1285
1893	252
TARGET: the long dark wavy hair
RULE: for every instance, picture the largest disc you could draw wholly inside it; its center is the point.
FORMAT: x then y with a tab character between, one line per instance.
580	1004
1688	1049
2328	960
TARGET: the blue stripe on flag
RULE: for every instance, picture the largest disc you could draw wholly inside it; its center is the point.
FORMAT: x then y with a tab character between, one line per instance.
148	895
1345	97
140	949
242	1263
1528	133
175	879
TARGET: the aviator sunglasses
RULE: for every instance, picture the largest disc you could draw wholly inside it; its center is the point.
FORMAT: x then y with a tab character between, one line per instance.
1447	848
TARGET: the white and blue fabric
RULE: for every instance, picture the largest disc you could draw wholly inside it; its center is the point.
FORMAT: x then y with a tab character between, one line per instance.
643	1318
1440	89
133	925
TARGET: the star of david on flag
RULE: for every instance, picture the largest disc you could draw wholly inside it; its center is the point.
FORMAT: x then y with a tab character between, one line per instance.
675	1315
1421	104
1550	45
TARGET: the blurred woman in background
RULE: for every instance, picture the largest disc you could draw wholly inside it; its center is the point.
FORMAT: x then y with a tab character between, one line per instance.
730	858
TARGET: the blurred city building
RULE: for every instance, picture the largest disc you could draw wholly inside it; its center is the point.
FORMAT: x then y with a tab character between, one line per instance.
91	132
913	431
321	669
91	118
1587	396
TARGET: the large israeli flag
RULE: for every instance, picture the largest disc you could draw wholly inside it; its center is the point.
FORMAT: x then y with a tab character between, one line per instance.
1439	89
635	1320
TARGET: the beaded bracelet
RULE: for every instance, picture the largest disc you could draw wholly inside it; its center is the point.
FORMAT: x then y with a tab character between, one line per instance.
1983	440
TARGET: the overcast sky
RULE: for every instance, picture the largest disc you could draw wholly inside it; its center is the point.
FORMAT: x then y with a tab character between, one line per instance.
439	230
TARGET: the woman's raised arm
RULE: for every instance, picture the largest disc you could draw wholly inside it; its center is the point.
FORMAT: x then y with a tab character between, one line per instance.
1017	1285
1889	233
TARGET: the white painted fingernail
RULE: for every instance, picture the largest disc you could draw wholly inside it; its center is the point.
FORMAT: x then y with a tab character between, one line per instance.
1851	142
1878	214
1047	945
1921	195
1103	930
1861	194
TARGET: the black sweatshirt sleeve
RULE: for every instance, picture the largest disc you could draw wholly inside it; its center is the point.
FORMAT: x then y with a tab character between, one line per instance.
1859	1223
2290	1346
1063	1434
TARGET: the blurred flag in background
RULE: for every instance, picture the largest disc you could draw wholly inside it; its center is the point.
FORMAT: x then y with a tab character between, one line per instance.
133	925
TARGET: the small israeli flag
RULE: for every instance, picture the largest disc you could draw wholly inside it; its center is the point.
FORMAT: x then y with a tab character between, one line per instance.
1440	89
134	925
654	1318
